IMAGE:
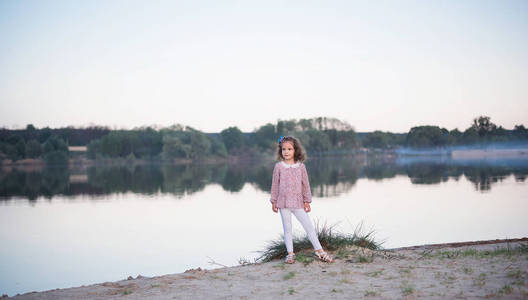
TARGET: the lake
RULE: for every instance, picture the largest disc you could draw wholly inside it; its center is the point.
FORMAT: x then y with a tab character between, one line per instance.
65	227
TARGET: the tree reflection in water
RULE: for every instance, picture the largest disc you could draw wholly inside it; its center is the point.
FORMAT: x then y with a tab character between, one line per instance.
329	177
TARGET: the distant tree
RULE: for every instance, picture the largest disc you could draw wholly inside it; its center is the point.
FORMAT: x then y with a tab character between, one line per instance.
265	136
233	138
55	150
324	123
333	137
30	127
376	139
218	147
200	145
470	136
317	142
80	136
285	127
499	135
21	149
398	139
13	139
33	149
93	148
9	151
454	136
48	147
174	148
347	139
30	133
44	134
54	143
483	126
118	143
147	142
382	140
427	136
306	124
520	132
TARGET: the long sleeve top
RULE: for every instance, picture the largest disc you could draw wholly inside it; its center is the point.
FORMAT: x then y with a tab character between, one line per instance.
290	187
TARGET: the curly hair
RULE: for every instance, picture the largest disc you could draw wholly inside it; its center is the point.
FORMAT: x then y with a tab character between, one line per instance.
299	154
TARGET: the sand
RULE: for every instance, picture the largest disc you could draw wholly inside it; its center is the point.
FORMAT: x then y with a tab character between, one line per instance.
464	271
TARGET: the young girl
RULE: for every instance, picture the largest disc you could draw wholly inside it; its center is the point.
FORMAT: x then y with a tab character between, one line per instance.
290	193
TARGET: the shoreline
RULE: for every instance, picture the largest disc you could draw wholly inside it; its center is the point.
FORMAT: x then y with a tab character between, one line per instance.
39	164
475	154
472	269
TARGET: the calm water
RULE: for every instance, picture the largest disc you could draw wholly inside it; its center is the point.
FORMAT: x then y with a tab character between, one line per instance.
69	227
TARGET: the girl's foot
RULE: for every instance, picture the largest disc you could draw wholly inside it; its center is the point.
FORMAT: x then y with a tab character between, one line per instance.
290	258
323	256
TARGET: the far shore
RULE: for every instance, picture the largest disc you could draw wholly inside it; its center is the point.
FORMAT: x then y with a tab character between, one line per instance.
489	153
468	270
31	163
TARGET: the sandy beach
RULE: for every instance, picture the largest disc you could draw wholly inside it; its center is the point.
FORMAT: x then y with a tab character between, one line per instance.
485	269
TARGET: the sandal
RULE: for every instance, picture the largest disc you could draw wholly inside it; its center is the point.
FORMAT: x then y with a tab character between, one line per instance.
290	258
323	256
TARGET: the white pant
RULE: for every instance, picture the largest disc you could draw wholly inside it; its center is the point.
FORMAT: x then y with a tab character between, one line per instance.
303	218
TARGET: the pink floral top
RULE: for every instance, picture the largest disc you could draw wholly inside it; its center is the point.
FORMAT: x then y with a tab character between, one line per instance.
290	187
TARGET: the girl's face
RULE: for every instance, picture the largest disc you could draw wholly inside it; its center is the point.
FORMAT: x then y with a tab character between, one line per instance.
287	150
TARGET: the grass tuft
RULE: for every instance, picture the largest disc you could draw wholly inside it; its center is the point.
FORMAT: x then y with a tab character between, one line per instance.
507	289
406	288
305	260
289	276
127	292
329	238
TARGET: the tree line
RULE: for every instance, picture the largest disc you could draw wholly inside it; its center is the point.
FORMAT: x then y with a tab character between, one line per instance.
481	131
46	143
318	135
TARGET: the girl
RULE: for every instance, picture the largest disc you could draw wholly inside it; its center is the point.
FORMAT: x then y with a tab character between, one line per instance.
290	193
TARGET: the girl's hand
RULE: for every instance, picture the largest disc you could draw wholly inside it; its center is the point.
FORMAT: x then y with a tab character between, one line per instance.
307	207
274	207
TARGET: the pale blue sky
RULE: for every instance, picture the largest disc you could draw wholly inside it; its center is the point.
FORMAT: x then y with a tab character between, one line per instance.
386	65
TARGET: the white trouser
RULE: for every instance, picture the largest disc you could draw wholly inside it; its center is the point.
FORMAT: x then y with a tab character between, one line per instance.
303	218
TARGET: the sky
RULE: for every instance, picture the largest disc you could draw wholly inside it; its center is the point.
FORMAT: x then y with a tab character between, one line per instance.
378	65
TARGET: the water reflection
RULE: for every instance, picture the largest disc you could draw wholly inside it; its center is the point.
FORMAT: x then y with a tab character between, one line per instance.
481	173
328	177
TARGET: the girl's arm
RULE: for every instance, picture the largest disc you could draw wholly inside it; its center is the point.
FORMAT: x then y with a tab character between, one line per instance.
275	185
306	193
